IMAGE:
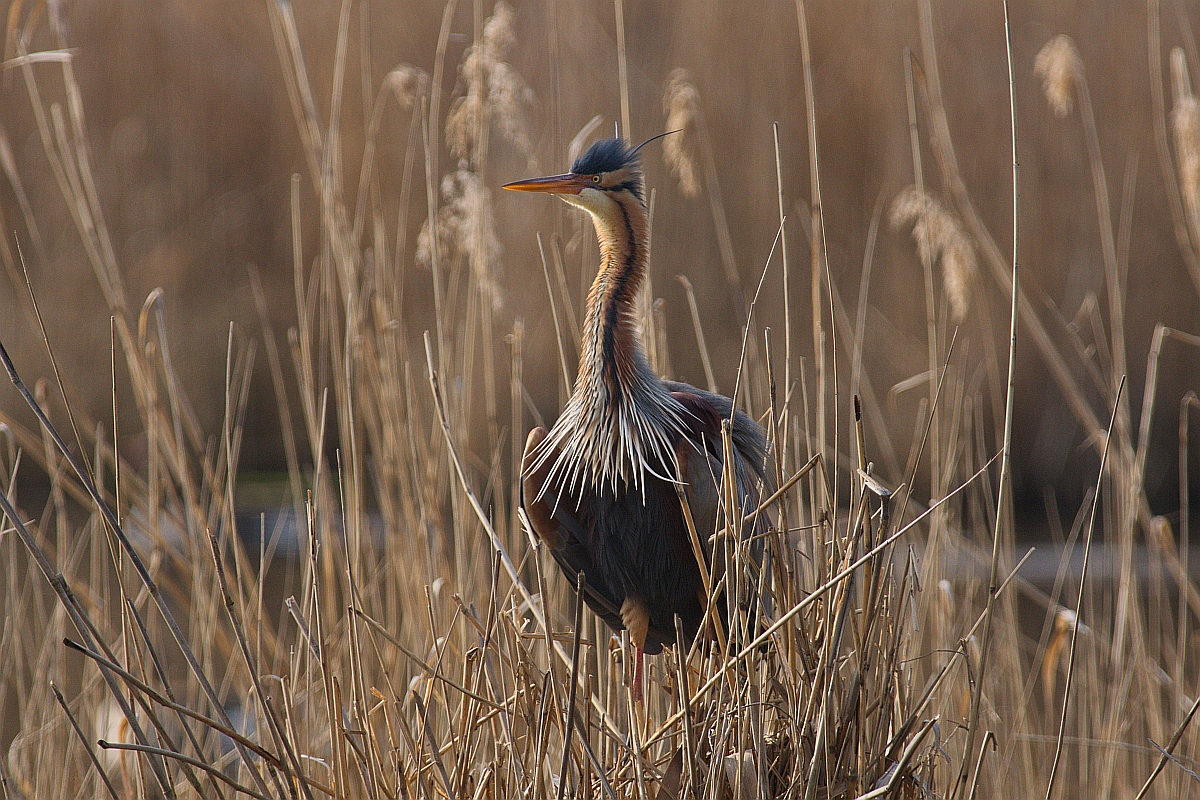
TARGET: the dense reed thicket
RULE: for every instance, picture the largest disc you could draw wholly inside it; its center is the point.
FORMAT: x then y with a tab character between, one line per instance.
395	631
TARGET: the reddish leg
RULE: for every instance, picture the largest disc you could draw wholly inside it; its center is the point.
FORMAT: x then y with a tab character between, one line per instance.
639	665
637	621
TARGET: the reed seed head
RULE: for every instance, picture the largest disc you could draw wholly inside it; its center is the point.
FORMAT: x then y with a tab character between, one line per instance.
1185	127
494	92
1060	68
466	229
940	236
681	104
407	83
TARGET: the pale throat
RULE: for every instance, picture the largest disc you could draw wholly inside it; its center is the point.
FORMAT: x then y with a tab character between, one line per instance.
612	351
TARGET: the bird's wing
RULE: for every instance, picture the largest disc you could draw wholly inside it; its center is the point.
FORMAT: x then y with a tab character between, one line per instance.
555	523
702	462
749	439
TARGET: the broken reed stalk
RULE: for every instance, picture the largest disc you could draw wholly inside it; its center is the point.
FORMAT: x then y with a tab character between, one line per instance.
188	760
705	360
898	773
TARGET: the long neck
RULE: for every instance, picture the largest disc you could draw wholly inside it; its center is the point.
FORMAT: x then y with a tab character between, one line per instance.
612	352
621	424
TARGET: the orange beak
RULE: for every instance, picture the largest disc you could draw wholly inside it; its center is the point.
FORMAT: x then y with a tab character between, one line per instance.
569	183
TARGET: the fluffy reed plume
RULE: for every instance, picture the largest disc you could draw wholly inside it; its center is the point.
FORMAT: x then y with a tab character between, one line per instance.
494	92
407	83
940	236
1185	125
1060	68
465	220
681	104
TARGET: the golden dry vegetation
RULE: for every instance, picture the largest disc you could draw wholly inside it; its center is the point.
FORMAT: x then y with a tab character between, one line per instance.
268	238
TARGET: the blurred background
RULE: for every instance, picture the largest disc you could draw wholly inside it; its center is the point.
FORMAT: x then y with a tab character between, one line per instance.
193	141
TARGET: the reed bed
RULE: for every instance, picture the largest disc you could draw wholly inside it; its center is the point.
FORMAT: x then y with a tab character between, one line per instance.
397	632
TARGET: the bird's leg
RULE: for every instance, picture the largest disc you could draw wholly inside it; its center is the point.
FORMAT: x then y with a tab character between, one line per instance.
639	666
637	621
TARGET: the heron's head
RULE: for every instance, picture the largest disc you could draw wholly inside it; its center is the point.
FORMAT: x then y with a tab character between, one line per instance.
602	180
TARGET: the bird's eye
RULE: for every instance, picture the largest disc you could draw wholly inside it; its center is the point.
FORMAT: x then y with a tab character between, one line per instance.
595	179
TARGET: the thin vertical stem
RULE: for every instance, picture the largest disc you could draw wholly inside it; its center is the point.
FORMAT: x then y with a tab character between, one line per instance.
817	228
623	69
787	304
569	717
1087	549
1002	498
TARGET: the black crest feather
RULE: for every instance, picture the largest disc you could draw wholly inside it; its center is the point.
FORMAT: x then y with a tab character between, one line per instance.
609	155
606	155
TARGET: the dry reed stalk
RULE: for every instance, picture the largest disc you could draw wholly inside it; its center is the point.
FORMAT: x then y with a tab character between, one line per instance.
817	237
833	690
558	334
1185	125
1087	546
787	277
947	161
681	101
927	258
1179	218
1061	68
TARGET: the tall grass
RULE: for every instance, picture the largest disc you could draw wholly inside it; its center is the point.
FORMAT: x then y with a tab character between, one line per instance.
399	632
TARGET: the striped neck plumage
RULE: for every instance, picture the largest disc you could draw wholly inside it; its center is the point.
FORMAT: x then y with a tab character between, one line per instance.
621	423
